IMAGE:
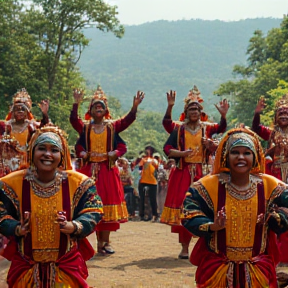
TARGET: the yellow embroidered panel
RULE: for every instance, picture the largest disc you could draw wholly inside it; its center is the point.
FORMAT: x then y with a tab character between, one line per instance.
21	137
195	143
44	231
98	146
240	227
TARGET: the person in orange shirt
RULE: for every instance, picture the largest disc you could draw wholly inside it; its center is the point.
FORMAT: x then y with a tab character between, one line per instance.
148	182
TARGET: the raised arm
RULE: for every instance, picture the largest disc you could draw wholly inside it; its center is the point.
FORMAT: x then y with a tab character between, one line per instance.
167	122
124	122
75	120
263	131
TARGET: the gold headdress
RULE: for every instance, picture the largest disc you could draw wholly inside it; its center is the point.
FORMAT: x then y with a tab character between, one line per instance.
21	97
51	134
193	97
282	103
99	96
246	136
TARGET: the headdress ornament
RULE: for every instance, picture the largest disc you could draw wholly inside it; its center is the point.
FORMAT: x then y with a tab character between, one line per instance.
238	137
22	98
282	103
193	97
53	135
99	96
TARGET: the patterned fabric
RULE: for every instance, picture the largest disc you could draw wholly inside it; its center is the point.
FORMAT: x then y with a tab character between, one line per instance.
252	260
29	269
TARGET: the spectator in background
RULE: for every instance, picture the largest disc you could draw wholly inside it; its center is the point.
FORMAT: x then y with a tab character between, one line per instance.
127	182
148	182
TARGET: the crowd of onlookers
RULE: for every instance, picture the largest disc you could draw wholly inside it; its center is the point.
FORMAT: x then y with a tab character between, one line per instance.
131	174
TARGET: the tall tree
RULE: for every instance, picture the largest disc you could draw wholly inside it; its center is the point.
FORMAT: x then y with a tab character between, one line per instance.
267	64
59	28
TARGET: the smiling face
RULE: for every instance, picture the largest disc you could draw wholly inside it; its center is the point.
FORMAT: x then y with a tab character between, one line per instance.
46	158
240	159
282	117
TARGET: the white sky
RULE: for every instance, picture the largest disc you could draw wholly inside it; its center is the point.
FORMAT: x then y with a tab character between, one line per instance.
134	12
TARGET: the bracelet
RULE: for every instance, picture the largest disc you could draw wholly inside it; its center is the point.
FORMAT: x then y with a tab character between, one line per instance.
78	227
205	227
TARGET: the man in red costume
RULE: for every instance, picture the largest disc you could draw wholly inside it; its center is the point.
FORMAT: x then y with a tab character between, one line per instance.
277	152
189	144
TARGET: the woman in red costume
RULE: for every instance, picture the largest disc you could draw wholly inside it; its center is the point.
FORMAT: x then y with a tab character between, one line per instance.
99	145
17	129
236	211
47	211
190	145
277	152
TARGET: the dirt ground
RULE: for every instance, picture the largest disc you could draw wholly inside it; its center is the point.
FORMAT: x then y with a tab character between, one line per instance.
146	256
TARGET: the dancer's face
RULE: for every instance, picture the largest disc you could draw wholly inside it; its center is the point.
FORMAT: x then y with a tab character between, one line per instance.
193	113
240	160
98	111
19	112
47	157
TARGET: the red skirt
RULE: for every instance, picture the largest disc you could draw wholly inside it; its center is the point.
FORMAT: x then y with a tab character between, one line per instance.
178	184
110	189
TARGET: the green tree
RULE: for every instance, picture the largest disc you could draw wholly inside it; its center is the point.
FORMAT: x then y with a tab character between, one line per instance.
267	64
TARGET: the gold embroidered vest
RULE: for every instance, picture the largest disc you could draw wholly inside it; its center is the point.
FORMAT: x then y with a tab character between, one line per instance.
195	143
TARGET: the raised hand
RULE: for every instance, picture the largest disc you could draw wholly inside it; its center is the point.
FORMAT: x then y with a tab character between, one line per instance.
24	228
138	98
44	106
78	95
171	95
66	227
223	107
260	105
219	220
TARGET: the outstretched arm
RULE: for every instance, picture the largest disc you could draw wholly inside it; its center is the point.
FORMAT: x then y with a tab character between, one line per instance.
167	122
75	121
124	122
261	130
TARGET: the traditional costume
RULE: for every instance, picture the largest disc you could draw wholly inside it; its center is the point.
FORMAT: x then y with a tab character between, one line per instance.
45	257
243	254
188	169
277	161
98	165
13	142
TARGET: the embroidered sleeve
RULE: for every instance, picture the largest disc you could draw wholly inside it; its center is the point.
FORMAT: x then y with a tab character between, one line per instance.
278	210
8	216
197	216
88	212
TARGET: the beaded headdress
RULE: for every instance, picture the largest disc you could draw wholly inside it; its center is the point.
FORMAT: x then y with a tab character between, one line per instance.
193	97
22	98
282	103
53	135
238	137
280	106
98	97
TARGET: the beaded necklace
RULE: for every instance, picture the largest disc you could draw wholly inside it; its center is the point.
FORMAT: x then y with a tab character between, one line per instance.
242	193
46	190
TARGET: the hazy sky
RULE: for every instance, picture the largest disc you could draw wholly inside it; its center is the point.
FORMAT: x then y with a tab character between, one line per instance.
133	12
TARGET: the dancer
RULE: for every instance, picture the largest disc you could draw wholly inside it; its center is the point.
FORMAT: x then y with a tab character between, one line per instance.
48	211
16	131
276	153
190	144
99	146
236	212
